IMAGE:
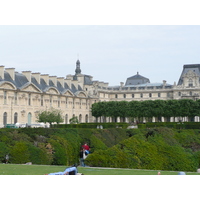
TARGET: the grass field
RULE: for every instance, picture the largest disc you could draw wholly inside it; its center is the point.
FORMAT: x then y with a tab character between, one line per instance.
13	169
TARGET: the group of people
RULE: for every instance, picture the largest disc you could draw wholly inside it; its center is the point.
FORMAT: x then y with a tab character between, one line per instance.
84	151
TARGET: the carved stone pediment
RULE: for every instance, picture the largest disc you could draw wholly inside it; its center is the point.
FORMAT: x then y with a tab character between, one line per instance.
7	86
81	94
52	91
190	74
68	93
31	88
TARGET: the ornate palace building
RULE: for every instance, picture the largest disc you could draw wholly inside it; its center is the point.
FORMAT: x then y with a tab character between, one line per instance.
24	95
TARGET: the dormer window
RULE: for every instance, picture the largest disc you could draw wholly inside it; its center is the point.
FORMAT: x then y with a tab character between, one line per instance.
190	83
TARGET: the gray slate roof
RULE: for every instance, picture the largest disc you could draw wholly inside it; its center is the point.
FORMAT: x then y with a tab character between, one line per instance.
21	81
137	80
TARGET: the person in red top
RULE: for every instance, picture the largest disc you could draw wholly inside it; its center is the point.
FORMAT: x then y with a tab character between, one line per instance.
86	148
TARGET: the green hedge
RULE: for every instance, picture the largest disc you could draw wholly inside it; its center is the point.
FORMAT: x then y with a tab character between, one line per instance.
176	125
158	152
54	146
92	125
158	148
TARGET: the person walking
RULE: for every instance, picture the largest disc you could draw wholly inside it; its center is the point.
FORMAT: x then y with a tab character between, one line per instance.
81	155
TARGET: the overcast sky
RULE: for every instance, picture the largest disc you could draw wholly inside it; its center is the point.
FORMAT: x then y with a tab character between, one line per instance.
108	53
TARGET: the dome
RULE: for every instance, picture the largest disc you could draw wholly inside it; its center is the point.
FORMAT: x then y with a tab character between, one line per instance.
137	80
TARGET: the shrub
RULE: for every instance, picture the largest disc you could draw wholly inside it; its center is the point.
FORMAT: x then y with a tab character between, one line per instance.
3	151
158	152
39	155
19	153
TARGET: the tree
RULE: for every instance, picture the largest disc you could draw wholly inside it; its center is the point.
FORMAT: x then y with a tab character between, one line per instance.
50	116
95	110
74	120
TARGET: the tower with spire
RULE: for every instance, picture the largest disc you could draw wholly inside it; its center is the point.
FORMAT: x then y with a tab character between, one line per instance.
78	69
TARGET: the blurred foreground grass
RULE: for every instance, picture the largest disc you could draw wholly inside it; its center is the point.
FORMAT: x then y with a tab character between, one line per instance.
14	169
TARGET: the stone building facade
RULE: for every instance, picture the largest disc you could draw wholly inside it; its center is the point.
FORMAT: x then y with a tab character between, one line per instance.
24	95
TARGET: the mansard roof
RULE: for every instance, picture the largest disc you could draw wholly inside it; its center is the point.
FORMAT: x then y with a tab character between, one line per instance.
20	81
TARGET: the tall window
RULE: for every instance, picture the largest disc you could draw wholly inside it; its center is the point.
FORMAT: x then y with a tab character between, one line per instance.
80	118
5	118
29	99
116	96
58	102
190	83
29	118
159	94
15	118
50	101
15	98
66	102
141	95
150	95
5	97
133	95
66	118
42	100
86	118
124	96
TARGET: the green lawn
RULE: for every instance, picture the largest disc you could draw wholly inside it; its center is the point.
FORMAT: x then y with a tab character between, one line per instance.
13	169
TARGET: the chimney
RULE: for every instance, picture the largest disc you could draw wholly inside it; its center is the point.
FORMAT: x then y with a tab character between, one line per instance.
61	80
11	72
164	82
36	76
2	71
46	78
54	80
27	74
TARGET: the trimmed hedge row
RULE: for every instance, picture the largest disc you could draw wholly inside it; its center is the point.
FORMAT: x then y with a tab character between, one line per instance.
92	125
176	125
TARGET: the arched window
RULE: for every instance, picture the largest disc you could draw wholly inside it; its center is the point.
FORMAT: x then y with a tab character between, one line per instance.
42	100
58	102
80	118
190	83
66	119
29	118
5	97
86	118
29	99
15	118
5	118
